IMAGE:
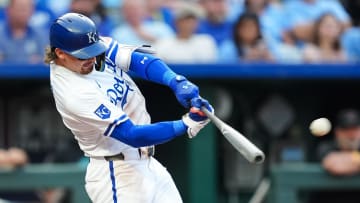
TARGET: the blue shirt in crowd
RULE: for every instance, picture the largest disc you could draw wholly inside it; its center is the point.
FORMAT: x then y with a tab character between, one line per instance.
300	12
220	31
351	43
29	49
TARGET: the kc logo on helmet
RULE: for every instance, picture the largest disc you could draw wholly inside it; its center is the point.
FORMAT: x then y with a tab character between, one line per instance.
92	37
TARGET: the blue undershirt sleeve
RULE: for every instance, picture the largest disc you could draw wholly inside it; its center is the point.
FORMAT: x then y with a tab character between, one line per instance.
146	135
151	68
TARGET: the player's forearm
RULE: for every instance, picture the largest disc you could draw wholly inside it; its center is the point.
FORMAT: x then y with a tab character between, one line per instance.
151	134
151	68
155	70
341	163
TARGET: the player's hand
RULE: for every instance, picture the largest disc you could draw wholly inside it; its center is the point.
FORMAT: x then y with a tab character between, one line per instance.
184	90
195	120
197	103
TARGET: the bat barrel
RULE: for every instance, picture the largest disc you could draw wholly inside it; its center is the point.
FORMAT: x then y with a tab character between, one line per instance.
259	159
237	140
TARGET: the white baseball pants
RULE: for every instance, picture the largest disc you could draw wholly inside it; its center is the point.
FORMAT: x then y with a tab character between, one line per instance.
131	181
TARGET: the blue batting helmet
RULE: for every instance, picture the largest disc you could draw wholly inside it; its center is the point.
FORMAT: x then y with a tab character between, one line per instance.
76	35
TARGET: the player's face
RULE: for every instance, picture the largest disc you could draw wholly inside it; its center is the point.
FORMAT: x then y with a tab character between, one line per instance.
82	66
348	138
85	65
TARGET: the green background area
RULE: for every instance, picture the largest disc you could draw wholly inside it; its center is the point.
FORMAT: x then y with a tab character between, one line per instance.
198	165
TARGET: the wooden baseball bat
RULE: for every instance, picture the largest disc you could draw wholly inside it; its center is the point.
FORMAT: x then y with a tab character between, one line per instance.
236	139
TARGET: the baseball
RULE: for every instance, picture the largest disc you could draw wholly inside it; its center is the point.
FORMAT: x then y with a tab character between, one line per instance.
320	127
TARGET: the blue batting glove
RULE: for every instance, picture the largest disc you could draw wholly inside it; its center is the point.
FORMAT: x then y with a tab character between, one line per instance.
195	120
184	90
195	112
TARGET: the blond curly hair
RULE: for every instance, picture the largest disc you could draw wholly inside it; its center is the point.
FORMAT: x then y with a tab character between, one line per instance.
49	55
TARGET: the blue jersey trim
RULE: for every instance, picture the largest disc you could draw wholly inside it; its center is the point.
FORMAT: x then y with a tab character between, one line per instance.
113	53
112	125
110	48
113	183
110	59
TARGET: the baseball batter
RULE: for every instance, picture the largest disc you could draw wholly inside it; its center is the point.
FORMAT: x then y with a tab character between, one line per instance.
106	111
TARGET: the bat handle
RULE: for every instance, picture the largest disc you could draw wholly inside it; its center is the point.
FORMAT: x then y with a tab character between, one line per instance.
207	112
212	117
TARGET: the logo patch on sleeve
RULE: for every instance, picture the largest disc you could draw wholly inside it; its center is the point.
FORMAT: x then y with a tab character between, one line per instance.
103	112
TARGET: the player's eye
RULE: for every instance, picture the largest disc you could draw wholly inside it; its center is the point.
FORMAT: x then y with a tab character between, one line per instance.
83	59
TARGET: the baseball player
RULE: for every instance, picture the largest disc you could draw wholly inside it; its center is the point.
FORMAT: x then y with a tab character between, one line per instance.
106	111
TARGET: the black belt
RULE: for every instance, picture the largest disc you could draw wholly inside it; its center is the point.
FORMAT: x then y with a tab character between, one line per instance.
143	152
115	157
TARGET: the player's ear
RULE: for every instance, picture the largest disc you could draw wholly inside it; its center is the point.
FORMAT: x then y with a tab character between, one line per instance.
59	53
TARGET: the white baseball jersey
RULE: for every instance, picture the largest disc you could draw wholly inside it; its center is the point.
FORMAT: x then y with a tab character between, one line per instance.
91	106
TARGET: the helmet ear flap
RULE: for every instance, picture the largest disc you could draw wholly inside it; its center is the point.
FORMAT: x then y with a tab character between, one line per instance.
100	62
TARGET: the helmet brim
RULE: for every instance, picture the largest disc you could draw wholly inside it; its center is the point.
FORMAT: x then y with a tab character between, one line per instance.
91	51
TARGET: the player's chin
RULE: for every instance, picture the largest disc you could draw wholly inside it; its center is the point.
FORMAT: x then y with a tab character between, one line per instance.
87	68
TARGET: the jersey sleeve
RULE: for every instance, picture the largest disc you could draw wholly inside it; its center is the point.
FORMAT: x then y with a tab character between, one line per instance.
94	112
119	55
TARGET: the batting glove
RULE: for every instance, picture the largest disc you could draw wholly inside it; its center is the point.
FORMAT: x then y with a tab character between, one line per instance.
196	120
184	90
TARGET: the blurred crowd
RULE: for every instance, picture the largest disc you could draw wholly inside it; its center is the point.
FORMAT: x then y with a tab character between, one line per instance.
197	31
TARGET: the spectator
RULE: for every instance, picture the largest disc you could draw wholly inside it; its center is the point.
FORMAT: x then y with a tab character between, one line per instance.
302	15
326	45
216	22
247	43
351	43
12	158
15	157
270	15
187	46
20	42
112	7
172	4
136	30
56	7
236	7
341	156
157	11
351	37
274	28
3	5
95	11
42	16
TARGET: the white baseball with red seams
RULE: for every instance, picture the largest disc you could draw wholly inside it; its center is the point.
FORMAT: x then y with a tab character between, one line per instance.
320	126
